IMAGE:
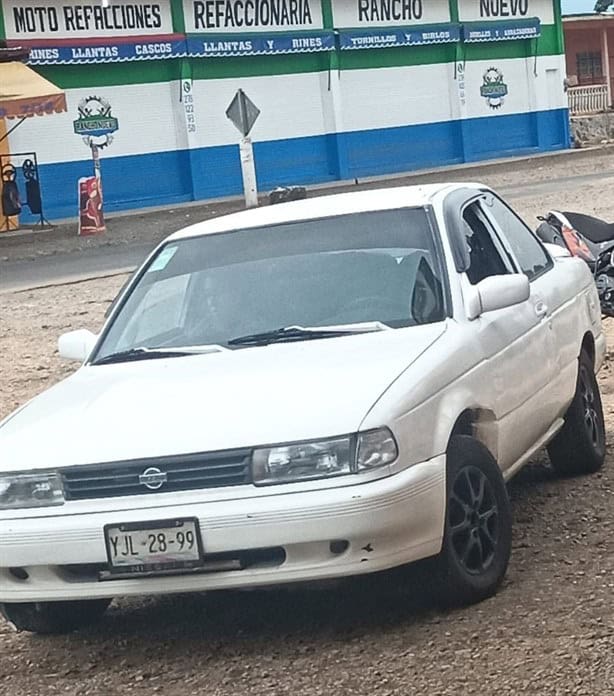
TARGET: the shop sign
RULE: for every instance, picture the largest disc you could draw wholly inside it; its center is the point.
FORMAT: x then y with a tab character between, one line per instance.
388	13
109	53
188	106
493	88
460	72
362	39
501	31
221	46
58	19
248	16
95	123
488	10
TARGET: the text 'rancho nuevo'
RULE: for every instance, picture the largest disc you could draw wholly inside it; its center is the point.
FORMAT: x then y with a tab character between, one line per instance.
504	8
389	10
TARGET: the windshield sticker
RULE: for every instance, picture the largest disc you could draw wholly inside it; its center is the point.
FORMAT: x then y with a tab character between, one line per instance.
161	262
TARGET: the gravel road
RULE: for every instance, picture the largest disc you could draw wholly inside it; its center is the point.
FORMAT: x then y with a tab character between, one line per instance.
550	630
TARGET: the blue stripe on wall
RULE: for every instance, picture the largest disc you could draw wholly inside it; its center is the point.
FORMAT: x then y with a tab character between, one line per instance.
128	183
389	150
554	129
171	177
307	160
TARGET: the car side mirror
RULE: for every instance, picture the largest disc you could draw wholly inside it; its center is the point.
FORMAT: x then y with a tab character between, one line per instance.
498	292
76	345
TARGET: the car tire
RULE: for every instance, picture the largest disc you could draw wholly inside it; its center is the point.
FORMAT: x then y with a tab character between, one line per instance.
579	447
477	538
54	617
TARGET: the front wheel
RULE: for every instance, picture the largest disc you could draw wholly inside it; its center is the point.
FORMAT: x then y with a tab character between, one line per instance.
579	447
54	617
478	526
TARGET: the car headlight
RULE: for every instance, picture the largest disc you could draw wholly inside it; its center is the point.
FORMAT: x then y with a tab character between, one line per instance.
304	461
30	490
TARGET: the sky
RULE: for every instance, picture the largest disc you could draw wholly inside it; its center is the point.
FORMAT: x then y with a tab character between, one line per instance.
577	6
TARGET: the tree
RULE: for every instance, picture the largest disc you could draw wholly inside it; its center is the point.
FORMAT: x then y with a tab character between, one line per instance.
603	5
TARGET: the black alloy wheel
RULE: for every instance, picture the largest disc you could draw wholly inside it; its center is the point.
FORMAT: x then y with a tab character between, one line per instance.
477	538
473	518
580	446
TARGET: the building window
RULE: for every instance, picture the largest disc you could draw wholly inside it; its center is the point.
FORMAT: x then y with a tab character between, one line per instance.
589	67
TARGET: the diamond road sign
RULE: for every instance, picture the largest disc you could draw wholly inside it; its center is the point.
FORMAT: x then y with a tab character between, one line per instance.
242	112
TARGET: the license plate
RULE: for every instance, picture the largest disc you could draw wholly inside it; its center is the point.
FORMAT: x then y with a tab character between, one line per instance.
145	547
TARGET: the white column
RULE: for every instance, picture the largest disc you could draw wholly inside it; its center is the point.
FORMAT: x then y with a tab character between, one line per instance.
334	113
605	60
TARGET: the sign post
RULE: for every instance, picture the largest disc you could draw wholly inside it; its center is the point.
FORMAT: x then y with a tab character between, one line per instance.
243	114
95	124
248	171
96	160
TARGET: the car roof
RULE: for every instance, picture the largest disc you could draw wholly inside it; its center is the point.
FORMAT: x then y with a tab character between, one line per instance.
319	207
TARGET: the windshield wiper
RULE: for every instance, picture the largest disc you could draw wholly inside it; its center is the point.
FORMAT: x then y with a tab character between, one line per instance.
142	353
302	333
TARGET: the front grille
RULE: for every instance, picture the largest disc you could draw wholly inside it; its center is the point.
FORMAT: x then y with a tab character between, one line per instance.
183	473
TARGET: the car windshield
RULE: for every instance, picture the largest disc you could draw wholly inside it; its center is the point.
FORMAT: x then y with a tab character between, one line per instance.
223	288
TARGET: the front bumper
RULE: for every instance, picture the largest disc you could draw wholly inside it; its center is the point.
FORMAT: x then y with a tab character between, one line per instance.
386	523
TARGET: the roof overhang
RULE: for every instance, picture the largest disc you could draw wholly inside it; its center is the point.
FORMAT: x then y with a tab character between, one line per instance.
14	53
589	17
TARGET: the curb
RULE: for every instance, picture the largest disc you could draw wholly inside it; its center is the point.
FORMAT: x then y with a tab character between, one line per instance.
68	280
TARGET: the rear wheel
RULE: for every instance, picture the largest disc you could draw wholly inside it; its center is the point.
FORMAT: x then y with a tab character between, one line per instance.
54	617
478	527
579	447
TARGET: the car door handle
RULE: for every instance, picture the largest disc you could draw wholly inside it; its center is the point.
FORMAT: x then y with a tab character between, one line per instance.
541	308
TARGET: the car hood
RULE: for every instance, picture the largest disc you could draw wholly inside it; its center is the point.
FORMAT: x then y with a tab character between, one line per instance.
252	396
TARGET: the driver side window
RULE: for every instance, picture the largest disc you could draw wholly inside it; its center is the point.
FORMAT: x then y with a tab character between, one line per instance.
531	256
484	255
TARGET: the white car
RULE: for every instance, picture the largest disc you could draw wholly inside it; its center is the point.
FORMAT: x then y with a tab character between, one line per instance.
305	391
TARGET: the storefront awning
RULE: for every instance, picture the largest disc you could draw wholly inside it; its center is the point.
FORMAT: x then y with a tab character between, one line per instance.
476	32
70	52
25	93
354	39
224	45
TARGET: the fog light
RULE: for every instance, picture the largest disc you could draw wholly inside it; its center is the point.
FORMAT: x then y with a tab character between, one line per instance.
339	546
19	573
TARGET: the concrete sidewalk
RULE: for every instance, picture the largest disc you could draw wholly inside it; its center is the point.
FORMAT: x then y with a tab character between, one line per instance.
150	225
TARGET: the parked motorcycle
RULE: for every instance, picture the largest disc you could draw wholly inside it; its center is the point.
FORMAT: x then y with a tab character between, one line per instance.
589	238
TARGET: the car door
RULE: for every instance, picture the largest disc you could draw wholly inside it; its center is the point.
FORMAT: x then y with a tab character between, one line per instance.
554	288
516	342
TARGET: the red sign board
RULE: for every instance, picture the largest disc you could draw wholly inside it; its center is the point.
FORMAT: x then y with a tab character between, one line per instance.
91	218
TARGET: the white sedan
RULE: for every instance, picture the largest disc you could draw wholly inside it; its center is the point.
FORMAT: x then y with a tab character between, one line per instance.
305	391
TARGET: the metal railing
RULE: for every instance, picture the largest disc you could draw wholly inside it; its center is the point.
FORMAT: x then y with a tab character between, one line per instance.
590	99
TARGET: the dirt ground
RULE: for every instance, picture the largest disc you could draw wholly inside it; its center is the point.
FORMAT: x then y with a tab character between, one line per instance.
550	630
